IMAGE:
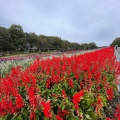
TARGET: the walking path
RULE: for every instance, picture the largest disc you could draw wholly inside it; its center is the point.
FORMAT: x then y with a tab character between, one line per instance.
117	54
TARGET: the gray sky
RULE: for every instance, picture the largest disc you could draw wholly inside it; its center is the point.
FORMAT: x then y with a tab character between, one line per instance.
81	21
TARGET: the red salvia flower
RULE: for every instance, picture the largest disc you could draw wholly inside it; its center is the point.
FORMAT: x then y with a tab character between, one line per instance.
76	98
109	93
46	109
19	101
32	116
48	83
55	95
71	83
58	117
63	94
117	112
62	113
108	118
32	97
99	104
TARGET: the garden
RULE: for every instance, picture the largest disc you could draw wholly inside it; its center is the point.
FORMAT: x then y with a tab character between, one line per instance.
80	87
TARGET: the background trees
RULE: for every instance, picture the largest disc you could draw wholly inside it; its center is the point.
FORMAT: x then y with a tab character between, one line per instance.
4	39
14	38
116	41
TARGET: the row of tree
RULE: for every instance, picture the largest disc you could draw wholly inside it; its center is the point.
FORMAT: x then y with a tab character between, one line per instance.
116	41
14	38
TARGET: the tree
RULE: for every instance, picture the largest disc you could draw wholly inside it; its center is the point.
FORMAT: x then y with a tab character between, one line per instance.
4	39
17	35
92	45
15	38
116	41
65	45
57	43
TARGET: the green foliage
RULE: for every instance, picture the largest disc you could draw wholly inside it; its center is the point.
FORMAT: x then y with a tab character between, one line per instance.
4	39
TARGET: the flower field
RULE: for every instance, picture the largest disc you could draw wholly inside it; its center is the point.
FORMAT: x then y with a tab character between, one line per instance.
62	88
7	65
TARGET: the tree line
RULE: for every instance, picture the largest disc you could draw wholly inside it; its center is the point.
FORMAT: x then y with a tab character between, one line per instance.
14	38
116	41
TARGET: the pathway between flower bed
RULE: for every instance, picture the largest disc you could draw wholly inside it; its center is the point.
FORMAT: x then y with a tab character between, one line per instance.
67	54
117	53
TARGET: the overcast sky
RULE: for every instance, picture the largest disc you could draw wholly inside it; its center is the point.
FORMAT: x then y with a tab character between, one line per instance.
81	21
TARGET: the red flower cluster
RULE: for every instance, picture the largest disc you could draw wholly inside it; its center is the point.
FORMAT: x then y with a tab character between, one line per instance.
109	93
32	97
71	83
117	112
77	98
58	117
63	94
99	104
32	116
62	113
46	109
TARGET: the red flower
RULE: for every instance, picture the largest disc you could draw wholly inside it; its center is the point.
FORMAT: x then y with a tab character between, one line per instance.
48	83
108	118
32	97
76	98
19	101
63	94
62	113
110	93
71	83
89	75
98	77
58	117
99	104
117	112
32	116
55	95
46	109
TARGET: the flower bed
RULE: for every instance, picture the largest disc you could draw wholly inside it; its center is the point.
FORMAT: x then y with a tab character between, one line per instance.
74	88
6	66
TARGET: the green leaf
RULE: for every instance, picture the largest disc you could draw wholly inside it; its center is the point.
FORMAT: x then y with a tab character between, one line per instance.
72	117
15	116
88	102
19	118
88	116
76	118
63	107
5	117
72	91
90	109
25	114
